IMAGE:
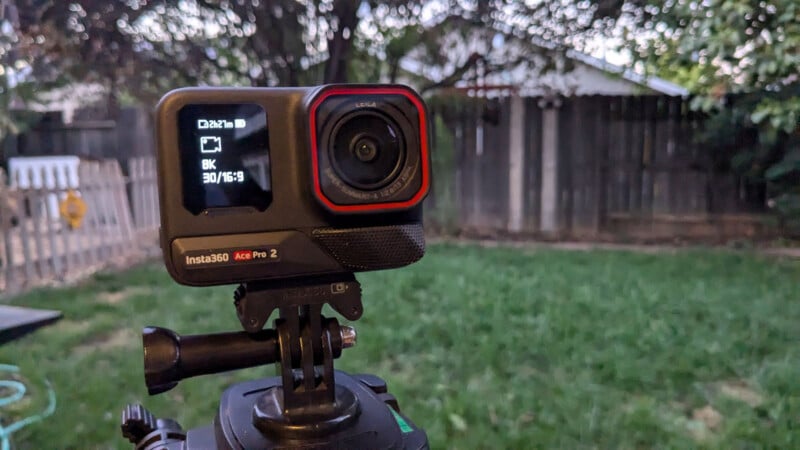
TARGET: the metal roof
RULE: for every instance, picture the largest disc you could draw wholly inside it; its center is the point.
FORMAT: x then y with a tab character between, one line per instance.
655	83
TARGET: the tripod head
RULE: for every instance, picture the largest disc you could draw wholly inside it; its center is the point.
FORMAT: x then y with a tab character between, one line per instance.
309	403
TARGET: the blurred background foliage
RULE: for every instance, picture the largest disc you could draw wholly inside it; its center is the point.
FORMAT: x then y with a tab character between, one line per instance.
739	58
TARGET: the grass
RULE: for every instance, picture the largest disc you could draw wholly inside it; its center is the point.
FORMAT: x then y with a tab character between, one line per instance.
484	348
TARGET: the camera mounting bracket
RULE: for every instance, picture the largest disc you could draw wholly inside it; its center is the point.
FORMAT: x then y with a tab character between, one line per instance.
304	405
308	400
256	301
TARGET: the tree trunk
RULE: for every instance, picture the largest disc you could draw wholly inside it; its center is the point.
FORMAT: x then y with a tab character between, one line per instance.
394	70
341	45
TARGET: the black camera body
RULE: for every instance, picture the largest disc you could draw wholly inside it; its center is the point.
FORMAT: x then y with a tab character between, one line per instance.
268	183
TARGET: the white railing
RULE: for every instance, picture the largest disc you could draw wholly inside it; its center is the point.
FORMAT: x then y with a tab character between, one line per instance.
144	193
37	244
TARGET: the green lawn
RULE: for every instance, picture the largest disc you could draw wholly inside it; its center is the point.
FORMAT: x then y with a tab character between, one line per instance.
485	348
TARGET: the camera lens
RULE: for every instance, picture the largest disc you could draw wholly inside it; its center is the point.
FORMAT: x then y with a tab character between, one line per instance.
367	150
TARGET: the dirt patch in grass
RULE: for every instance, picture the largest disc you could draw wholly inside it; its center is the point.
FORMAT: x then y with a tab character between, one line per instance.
68	327
740	390
703	423
116	297
123	337
710	417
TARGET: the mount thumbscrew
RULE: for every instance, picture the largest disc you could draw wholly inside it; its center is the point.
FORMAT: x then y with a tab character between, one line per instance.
137	422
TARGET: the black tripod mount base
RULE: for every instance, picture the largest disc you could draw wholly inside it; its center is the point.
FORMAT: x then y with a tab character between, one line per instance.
369	419
314	421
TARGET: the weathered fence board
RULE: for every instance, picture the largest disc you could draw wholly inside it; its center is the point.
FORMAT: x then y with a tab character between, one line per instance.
533	164
618	158
144	192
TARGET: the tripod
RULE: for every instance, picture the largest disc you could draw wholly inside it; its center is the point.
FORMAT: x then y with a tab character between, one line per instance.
309	405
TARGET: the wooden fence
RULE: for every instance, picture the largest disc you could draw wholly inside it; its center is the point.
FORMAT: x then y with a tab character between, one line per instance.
130	134
583	166
38	246
628	167
144	192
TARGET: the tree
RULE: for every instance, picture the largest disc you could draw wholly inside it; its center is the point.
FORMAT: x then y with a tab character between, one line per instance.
742	58
110	43
148	45
468	39
12	86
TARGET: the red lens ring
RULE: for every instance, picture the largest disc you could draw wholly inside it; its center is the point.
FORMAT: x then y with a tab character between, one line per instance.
370	207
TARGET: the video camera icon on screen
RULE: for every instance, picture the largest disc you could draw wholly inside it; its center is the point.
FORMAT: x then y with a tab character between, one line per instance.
210	144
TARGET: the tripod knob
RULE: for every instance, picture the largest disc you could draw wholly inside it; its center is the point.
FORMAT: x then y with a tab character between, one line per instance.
137	422
146	432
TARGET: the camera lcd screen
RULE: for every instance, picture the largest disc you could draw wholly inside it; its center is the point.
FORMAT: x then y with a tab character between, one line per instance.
224	152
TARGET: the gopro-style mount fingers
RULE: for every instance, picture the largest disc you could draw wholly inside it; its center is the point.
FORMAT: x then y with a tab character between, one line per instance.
256	301
308	400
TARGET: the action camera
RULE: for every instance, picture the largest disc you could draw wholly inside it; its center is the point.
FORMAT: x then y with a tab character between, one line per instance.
267	183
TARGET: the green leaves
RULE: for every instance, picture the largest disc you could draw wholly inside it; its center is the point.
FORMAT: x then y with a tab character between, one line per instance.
759	115
778	114
742	59
782	169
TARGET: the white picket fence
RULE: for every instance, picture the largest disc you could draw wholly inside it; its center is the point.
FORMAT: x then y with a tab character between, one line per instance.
37	245
144	193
